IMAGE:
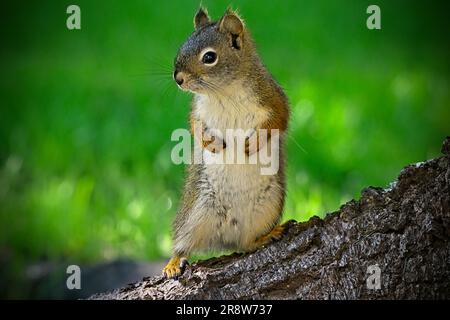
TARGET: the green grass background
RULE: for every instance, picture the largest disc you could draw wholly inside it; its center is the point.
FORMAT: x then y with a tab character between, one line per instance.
86	116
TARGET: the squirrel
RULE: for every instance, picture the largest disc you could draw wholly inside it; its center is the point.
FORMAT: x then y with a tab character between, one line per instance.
228	206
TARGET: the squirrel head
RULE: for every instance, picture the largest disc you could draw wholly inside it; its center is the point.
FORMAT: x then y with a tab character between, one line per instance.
215	54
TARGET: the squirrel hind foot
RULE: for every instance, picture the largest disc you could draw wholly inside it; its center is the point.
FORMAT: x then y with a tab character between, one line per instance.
175	267
275	234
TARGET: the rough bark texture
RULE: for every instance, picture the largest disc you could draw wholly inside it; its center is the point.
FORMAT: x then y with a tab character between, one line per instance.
404	230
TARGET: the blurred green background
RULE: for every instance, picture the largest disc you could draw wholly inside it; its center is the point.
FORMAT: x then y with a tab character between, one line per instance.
87	115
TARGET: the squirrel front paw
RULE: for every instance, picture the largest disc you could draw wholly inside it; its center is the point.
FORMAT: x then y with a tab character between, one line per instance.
213	143
174	267
251	146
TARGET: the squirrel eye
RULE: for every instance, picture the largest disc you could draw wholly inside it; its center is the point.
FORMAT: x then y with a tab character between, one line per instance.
209	57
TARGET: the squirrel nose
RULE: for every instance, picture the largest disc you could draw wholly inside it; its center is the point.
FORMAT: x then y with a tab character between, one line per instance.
179	77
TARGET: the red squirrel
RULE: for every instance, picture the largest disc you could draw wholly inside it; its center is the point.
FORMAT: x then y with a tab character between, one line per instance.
228	206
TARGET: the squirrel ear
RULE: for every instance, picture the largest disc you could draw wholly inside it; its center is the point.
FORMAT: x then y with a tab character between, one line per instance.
201	18
232	24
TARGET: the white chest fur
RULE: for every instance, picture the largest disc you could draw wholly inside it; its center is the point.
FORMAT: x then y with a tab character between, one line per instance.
239	110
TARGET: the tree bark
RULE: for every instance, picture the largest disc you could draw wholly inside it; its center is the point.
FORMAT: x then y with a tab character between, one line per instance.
399	235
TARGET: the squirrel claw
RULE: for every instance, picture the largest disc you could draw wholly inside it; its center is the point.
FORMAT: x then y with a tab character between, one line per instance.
277	233
174	267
